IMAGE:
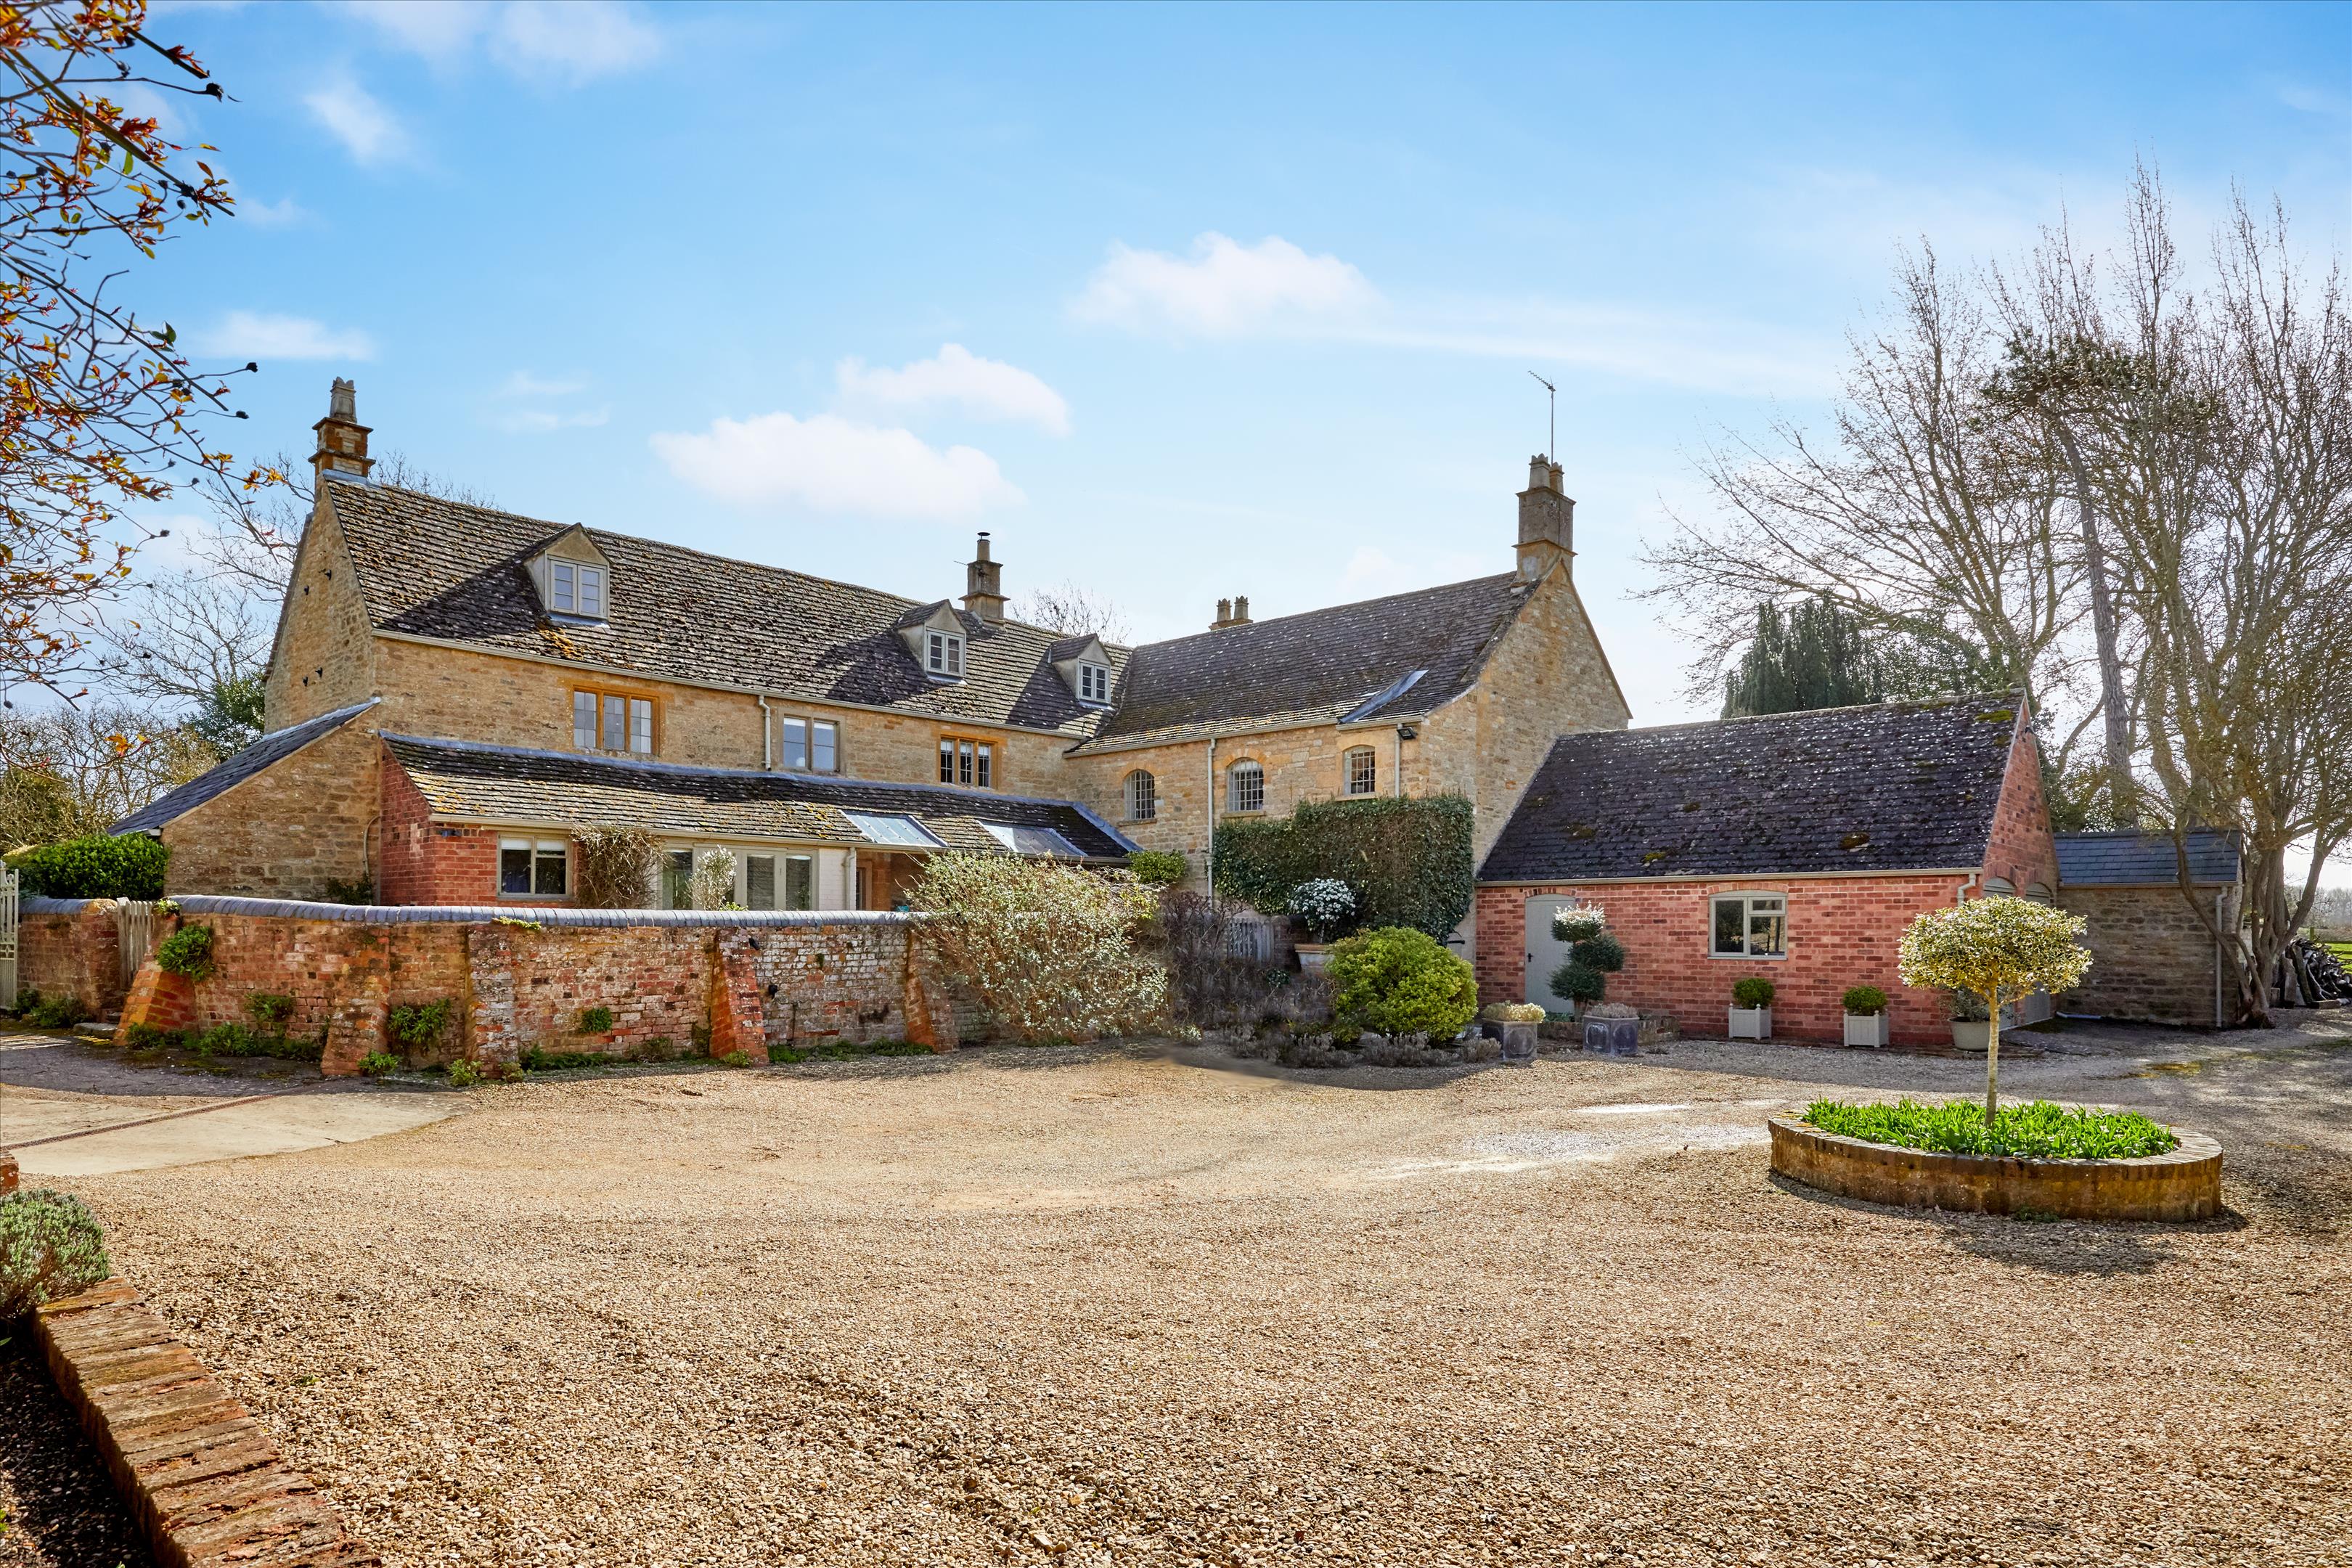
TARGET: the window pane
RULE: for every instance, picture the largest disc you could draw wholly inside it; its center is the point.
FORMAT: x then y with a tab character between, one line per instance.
800	882
615	737
1363	770
796	751
1142	796
963	762
678	877
1729	933
514	868
824	755
759	881
955	656
981	778
549	880
592	591
1246	787
558	586
641	725
1767	927
584	720
947	762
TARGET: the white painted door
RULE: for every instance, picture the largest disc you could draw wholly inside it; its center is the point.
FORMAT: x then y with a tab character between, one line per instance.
1545	952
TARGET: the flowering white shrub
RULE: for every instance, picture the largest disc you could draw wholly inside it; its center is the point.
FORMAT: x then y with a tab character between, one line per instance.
2001	949
1323	906
1049	949
712	884
1577	922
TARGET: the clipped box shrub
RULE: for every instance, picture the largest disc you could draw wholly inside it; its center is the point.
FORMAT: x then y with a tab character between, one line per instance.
1752	993
50	1246
101	865
1156	868
1400	981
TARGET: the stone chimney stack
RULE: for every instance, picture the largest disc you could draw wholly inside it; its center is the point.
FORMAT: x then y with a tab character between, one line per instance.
983	585
343	440
1231	613
1547	521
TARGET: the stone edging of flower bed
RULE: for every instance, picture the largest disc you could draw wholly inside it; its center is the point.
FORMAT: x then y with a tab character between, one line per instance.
2183	1184
205	1480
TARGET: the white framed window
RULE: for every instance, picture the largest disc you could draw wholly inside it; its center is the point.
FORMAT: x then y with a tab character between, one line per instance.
800	881
533	868
1142	796
1362	767
811	745
945	659
1750	925
1245	787
1094	683
966	760
759	881
575	590
678	880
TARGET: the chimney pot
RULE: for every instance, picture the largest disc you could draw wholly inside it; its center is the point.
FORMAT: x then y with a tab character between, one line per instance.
1241	609
342	440
983	585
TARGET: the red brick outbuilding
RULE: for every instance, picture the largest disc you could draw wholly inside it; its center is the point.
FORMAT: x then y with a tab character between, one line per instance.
1793	845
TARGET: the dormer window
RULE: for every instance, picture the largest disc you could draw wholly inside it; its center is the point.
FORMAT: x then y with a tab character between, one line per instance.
1094	683
945	658
575	589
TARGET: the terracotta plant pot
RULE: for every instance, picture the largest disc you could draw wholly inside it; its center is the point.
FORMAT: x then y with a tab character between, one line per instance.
1312	956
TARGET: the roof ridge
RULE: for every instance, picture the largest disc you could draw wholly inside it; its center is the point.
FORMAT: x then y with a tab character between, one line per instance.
1946	699
1327	609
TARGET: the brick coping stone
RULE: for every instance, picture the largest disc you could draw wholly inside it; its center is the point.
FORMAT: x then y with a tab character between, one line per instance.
2184	1183
204	1479
480	914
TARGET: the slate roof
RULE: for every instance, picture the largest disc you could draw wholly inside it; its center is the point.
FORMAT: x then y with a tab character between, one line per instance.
268	750
470	782
1886	787
2136	860
441	569
1316	668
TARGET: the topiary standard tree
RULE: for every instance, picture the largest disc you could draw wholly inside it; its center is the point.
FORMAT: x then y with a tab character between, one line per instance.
1999	948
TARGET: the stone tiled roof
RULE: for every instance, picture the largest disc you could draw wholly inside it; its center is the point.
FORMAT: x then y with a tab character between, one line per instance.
441	569
269	749
468	782
1315	668
2130	860
1892	786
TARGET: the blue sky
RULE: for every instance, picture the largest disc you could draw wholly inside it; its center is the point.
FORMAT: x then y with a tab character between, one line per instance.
1177	303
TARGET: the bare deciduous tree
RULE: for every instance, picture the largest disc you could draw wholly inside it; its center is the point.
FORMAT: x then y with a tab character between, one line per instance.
1072	611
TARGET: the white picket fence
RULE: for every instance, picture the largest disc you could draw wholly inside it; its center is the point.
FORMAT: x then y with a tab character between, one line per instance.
8	938
134	933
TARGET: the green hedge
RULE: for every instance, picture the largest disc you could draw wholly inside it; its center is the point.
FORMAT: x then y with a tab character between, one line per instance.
129	865
1407	860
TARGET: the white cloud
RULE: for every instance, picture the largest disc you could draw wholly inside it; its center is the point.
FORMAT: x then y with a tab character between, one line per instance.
984	388
828	463
1224	288
269	214
524	384
366	129
571	43
260	335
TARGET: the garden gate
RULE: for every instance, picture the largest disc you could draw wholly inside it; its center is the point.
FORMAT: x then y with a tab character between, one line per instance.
134	931
8	938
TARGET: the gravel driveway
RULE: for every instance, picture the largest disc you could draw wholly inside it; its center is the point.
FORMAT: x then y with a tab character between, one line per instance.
1155	1306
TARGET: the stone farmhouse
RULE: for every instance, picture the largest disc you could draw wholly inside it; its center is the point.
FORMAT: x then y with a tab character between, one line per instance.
455	691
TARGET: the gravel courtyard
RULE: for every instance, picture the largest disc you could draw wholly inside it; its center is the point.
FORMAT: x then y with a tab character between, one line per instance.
1155	1306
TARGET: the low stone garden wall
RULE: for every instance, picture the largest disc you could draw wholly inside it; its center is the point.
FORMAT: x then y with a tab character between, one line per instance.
2183	1185
673	982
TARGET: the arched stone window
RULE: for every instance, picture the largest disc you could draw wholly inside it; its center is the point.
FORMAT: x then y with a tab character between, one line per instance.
1244	786
1142	796
1360	771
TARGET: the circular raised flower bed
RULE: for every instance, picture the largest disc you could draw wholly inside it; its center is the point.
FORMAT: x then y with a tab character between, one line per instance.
2181	1185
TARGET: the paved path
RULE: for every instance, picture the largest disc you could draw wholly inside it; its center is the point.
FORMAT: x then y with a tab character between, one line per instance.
67	1109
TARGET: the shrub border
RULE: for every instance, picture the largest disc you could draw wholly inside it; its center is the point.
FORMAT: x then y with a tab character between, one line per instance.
2182	1183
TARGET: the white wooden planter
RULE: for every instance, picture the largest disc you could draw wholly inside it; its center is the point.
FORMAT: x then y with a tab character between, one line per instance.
1312	956
1973	1036
1866	1029
1751	1023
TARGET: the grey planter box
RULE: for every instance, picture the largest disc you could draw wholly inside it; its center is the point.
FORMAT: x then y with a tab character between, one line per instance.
1519	1043
1613	1037
1866	1029
1751	1023
1973	1036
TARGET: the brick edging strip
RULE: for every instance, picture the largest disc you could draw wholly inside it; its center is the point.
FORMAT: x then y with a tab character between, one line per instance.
204	1479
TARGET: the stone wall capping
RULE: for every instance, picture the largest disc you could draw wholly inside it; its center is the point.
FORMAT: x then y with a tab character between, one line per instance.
2184	1183
538	914
201	1476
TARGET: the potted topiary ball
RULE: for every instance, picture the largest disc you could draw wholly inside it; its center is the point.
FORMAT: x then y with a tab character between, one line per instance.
1865	1016
1971	1023
1752	1009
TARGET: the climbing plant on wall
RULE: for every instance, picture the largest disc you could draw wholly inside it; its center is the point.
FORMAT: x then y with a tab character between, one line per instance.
1408	859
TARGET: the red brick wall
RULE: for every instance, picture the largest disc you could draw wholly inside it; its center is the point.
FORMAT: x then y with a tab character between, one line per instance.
2021	848
1842	933
74	955
425	862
